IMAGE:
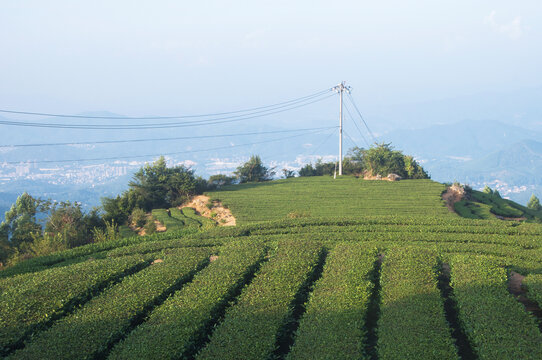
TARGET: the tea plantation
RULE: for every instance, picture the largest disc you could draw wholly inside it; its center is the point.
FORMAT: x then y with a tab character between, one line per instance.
316	268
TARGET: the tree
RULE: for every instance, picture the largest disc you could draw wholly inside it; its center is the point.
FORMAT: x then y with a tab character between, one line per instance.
288	173
413	169
254	171
353	163
150	184
487	190
138	218
307	170
383	160
154	186
20	221
534	203
68	222
119	208
219	180
322	168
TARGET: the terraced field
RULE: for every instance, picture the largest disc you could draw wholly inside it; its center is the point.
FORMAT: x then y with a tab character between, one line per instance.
319	269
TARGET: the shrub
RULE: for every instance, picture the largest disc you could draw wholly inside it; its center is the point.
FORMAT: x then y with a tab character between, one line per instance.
111	232
138	217
150	227
254	171
534	203
220	180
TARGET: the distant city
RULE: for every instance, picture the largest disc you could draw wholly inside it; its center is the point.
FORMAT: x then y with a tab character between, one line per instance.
67	174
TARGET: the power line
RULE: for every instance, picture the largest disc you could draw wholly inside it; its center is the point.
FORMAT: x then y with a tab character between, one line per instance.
351	140
323	142
162	117
163	139
305	153
161	125
163	154
356	124
361	116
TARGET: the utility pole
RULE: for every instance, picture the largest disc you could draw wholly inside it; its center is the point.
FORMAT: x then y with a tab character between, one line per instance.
340	89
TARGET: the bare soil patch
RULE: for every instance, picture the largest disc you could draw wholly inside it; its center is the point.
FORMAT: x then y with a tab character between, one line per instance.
452	195
216	212
390	177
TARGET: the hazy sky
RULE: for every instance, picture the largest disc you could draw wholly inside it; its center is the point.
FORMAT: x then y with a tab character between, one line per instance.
166	57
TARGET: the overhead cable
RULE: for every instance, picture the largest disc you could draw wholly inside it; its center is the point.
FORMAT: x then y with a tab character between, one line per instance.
163	154
163	117
160	139
356	124
211	121
361	116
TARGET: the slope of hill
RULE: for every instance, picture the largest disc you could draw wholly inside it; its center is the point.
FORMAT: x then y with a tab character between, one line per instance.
325	197
478	153
521	161
461	139
343	269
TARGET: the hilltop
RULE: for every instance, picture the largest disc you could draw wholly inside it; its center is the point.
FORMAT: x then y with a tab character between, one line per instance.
317	268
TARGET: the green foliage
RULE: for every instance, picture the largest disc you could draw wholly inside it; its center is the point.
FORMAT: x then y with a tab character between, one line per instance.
120	207
46	244
499	206
165	217
473	210
150	227
487	190
383	160
411	300
159	186
534	203
333	324
413	169
288	173
496	324
249	329
66	226
254	171
82	253
102	320
138	217
154	186
220	180
29	300
353	219
180	324
533	283
335	198
68	221
202	221
380	159
20	221
125	231
109	233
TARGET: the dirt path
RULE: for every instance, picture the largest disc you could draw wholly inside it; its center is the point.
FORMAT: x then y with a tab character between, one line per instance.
511	218
223	216
515	288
